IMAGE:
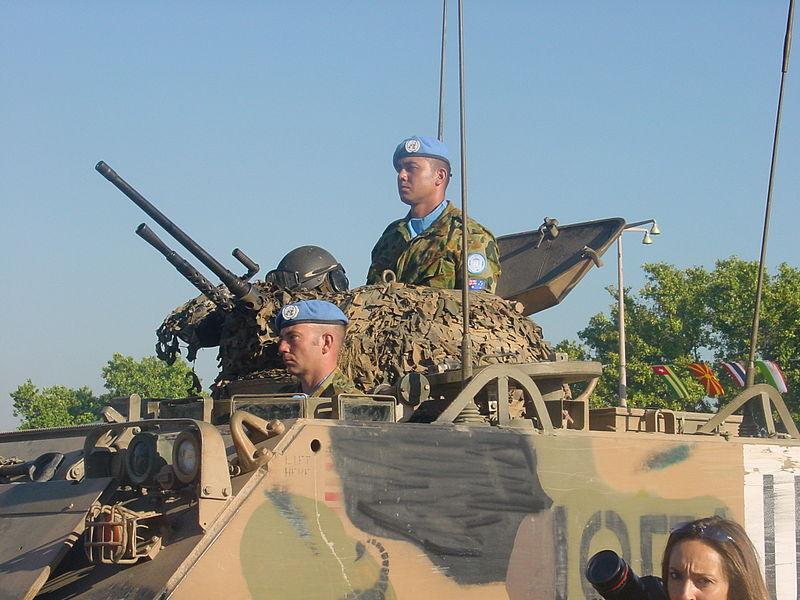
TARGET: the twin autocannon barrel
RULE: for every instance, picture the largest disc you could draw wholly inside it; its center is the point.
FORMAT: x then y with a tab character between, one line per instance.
185	268
239	287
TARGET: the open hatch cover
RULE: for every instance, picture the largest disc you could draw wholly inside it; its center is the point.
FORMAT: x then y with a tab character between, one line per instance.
39	522
539	273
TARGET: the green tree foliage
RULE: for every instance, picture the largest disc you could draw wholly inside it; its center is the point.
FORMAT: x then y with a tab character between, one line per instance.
148	377
58	405
687	315
54	406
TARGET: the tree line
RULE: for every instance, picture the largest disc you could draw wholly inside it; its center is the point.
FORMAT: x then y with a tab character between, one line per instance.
58	405
681	316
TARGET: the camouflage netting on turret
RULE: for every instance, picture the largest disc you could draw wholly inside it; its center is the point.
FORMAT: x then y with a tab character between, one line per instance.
394	329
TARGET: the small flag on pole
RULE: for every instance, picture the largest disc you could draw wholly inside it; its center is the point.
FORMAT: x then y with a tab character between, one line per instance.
736	372
703	373
675	384
772	374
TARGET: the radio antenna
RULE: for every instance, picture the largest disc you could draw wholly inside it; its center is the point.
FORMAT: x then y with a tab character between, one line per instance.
466	344
787	48
441	72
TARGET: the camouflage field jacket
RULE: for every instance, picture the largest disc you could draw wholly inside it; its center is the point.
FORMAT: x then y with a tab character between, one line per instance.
433	258
334	384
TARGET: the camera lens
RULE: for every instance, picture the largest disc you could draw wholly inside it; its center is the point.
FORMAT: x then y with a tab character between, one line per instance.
606	571
613	578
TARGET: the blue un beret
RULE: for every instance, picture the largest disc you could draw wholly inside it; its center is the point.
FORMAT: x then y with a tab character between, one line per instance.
309	311
421	145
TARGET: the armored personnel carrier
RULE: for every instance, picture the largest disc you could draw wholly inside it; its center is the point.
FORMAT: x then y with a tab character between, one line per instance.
425	486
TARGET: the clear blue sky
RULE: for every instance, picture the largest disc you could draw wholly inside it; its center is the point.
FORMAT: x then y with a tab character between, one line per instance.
268	125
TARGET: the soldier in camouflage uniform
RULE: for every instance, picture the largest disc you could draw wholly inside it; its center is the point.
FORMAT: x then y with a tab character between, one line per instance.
334	384
424	248
311	336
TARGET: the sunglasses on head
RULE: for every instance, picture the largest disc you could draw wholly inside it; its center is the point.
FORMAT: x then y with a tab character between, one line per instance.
705	531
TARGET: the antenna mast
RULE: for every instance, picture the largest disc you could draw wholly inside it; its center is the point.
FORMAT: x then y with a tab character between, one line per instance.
441	72
466	344
787	47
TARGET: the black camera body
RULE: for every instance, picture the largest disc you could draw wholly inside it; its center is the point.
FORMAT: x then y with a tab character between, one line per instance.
613	579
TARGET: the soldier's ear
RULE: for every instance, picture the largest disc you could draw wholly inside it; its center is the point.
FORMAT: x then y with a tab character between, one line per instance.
327	342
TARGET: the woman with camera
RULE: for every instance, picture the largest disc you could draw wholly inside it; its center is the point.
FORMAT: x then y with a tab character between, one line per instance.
712	559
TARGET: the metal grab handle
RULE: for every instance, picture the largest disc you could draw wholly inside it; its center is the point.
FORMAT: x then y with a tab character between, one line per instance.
500	374
388	276
251	458
747	394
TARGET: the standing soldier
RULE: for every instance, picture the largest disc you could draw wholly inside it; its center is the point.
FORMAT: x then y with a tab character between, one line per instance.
424	248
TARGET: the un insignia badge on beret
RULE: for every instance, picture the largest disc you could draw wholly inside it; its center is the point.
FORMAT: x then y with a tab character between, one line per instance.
476	263
412	145
290	311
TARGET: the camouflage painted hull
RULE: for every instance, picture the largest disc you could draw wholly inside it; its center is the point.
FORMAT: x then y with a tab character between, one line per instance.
381	510
425	511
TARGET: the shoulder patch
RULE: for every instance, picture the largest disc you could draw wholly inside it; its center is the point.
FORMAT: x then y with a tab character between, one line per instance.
476	263
477	284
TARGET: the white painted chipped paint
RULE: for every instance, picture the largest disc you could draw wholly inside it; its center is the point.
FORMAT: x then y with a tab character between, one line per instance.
754	506
786	559
771	488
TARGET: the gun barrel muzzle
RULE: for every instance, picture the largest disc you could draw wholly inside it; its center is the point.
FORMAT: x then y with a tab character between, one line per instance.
239	288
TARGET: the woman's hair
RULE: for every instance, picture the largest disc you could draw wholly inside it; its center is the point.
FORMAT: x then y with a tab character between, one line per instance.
730	541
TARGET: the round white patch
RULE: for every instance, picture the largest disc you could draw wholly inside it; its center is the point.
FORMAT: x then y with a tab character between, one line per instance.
412	145
289	312
476	263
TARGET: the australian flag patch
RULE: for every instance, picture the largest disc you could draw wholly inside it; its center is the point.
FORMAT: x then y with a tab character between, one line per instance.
477	284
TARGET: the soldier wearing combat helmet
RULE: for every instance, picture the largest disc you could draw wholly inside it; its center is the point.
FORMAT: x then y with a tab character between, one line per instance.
311	336
309	268
424	248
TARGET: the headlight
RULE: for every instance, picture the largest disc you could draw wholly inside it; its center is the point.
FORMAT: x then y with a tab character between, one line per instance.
142	460
186	457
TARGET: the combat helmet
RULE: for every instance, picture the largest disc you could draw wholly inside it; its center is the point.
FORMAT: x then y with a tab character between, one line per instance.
309	268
